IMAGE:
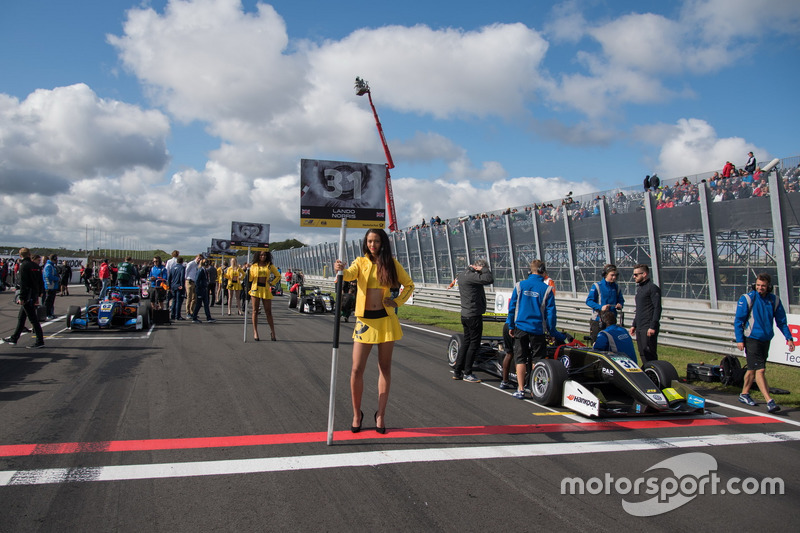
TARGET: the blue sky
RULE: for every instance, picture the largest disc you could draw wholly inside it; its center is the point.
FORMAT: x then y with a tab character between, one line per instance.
162	121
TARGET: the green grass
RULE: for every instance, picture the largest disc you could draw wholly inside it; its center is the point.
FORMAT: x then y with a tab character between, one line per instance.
779	376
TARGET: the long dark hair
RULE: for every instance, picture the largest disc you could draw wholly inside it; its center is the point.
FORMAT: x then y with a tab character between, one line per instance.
257	257
387	273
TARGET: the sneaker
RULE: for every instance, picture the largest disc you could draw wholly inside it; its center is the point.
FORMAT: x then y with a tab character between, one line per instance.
195	321
457	376
519	395
180	318
773	407
746	399
10	340
210	321
505	385
35	345
470	378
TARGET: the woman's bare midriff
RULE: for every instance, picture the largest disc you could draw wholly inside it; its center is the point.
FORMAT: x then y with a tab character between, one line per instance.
374	300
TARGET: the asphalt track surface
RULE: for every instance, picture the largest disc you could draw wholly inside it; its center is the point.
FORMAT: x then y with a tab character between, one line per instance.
187	428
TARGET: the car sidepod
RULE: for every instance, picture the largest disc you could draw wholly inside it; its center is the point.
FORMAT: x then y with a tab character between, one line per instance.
611	384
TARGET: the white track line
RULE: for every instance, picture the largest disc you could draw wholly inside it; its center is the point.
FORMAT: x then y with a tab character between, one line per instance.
386	457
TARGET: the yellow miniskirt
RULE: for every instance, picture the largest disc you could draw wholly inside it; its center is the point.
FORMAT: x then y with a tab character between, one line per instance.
262	292
378	330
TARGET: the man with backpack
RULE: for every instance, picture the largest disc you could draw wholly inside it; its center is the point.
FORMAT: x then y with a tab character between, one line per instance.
755	313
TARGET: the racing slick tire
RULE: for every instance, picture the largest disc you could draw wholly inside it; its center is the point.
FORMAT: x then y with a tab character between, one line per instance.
293	300
662	373
452	349
73	312
547	381
146	311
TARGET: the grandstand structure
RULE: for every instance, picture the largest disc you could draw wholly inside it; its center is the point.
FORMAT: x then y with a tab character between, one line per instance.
701	249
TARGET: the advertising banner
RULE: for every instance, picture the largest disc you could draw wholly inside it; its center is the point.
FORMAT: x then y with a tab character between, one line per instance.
333	190
251	235
779	351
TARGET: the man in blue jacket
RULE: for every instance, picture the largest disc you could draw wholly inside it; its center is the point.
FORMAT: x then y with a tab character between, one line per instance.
605	295
531	315
51	279
755	314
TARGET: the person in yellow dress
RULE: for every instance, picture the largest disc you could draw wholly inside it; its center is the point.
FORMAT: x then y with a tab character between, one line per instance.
376	273
233	276
263	274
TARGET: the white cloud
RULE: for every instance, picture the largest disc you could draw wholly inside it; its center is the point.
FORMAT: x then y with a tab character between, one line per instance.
56	137
447	199
88	161
208	60
567	23
444	73
691	146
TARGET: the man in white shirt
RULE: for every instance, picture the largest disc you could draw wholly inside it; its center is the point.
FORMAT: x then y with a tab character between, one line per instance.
191	279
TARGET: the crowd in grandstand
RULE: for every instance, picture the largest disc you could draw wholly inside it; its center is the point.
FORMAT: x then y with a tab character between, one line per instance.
731	183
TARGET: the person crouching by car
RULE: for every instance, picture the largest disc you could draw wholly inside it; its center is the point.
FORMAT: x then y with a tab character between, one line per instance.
613	337
158	283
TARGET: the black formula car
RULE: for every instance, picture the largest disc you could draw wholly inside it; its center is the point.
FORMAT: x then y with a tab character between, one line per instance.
591	382
121	308
311	300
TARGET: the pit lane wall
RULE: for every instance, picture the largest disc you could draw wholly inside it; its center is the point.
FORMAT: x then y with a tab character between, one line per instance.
684	324
74	263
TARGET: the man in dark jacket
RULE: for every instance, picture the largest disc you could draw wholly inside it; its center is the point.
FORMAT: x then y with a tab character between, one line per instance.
646	321
177	282
30	287
473	305
201	286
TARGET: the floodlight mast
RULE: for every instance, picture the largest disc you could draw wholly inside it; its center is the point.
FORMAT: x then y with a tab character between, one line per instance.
362	88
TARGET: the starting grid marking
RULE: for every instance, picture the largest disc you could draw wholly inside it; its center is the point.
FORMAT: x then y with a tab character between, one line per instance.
67	334
362	459
23	450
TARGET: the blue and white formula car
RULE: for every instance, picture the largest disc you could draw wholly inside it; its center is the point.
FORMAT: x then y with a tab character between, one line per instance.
122	308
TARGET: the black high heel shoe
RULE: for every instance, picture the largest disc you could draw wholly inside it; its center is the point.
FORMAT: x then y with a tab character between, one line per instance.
356	429
380	430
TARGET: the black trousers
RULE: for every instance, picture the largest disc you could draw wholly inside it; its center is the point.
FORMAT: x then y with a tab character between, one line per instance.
50	301
28	310
647	345
202	299
473	331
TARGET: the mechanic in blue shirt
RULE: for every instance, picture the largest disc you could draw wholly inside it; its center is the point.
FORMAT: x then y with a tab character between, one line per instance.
755	313
51	283
158	283
604	295
531	316
614	338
